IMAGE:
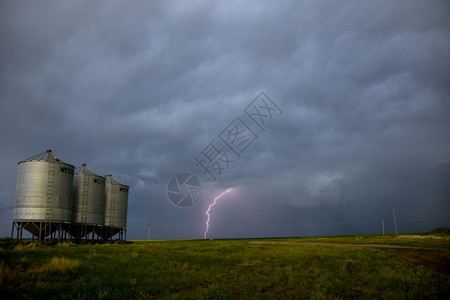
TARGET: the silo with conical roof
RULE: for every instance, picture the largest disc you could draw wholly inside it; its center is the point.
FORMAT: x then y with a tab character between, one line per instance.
88	197
116	206
88	208
43	194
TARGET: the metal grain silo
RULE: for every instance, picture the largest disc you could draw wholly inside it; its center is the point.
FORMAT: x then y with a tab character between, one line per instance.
43	193
116	206
116	202
88	208
88	197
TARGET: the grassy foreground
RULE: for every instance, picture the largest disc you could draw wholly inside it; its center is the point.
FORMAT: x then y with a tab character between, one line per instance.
223	269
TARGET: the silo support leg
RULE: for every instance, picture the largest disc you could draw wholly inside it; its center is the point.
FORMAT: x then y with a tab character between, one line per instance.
17	233
12	230
40	232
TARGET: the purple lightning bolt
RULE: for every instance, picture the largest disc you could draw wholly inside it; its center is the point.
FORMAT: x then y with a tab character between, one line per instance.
209	208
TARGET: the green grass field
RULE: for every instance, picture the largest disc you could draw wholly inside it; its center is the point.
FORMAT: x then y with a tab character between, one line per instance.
295	268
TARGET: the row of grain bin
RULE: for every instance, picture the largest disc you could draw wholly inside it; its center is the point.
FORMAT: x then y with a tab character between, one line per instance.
53	198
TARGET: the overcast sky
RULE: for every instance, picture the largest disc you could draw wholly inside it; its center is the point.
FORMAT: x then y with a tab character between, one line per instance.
139	89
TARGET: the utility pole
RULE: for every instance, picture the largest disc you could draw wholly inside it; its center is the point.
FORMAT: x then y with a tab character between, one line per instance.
148	236
382	224
395	221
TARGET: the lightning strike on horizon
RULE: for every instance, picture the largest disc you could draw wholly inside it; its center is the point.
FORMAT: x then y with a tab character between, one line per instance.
209	208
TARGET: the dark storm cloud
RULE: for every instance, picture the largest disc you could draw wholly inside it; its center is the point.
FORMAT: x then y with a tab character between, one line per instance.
138	90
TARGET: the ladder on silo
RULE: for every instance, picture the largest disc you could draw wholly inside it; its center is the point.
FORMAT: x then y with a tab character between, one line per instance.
113	206
84	202
49	202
